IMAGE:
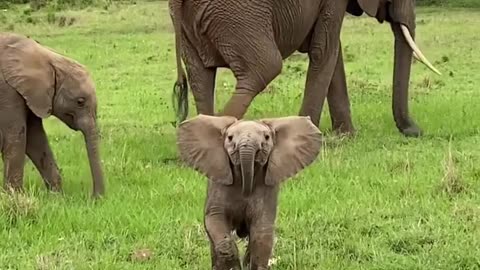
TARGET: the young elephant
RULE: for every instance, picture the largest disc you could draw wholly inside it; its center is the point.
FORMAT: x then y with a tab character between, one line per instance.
245	162
36	82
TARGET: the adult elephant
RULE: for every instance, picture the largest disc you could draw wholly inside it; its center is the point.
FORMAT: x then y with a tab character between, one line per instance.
253	37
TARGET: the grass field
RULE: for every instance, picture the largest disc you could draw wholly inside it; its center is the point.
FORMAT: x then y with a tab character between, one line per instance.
378	201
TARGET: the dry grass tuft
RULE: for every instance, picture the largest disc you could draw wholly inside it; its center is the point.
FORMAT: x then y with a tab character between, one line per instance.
16	206
141	255
452	182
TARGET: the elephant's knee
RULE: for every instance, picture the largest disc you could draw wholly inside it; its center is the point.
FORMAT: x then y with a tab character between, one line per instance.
320	54
226	249
270	70
273	69
260	75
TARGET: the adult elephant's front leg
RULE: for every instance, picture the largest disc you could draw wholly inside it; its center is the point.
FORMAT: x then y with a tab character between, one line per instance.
338	101
323	53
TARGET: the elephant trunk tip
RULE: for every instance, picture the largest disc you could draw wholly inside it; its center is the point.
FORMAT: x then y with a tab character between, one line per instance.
247	190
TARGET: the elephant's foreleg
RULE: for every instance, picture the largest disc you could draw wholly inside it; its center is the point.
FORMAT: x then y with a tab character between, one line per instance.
212	254
323	54
254	68
201	80
225	252
13	155
260	246
338	101
38	150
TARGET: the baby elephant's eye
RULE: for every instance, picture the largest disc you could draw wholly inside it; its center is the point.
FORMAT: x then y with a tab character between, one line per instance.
230	138
81	102
267	137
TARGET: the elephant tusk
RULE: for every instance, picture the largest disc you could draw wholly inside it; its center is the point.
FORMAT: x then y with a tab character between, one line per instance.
416	56
416	51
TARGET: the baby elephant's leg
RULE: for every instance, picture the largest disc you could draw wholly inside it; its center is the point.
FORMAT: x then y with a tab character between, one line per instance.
38	150
13	155
223	246
260	246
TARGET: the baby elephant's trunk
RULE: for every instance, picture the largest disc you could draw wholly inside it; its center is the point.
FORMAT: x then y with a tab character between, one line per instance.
247	159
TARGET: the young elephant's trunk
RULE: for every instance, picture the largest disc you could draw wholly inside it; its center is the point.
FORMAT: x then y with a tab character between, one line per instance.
247	159
90	133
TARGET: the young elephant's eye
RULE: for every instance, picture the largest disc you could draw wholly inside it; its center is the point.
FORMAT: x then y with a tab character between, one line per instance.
267	137
230	138
80	102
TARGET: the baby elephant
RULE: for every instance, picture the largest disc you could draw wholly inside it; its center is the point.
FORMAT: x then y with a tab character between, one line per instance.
36	82
245	162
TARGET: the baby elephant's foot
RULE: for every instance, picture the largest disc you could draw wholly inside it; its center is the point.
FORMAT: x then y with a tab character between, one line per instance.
55	187
227	255
13	188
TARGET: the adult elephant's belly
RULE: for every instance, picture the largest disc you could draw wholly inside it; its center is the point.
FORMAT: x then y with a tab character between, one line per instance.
293	21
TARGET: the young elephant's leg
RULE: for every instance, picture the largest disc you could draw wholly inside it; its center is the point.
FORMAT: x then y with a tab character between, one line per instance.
201	80
338	101
38	150
212	253
13	155
260	245
225	252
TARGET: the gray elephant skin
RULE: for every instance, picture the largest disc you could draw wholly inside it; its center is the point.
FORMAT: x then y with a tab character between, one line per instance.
252	38
245	163
36	82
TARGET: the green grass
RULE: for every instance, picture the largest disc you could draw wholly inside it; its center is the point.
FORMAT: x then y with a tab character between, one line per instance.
379	201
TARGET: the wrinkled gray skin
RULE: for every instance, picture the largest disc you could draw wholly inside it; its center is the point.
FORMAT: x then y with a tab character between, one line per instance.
253	37
245	162
36	82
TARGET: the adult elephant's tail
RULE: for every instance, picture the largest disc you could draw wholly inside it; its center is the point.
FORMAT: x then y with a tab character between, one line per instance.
180	88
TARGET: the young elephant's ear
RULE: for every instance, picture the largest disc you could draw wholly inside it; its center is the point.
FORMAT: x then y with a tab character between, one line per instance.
27	69
200	143
297	144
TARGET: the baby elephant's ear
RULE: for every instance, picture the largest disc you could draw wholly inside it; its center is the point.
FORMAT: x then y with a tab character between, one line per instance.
201	146
297	144
27	68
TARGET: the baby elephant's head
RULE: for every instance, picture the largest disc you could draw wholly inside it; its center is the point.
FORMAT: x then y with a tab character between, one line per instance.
213	145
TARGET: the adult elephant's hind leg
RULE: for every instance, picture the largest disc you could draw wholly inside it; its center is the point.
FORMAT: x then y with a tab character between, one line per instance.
254	68
338	101
201	80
